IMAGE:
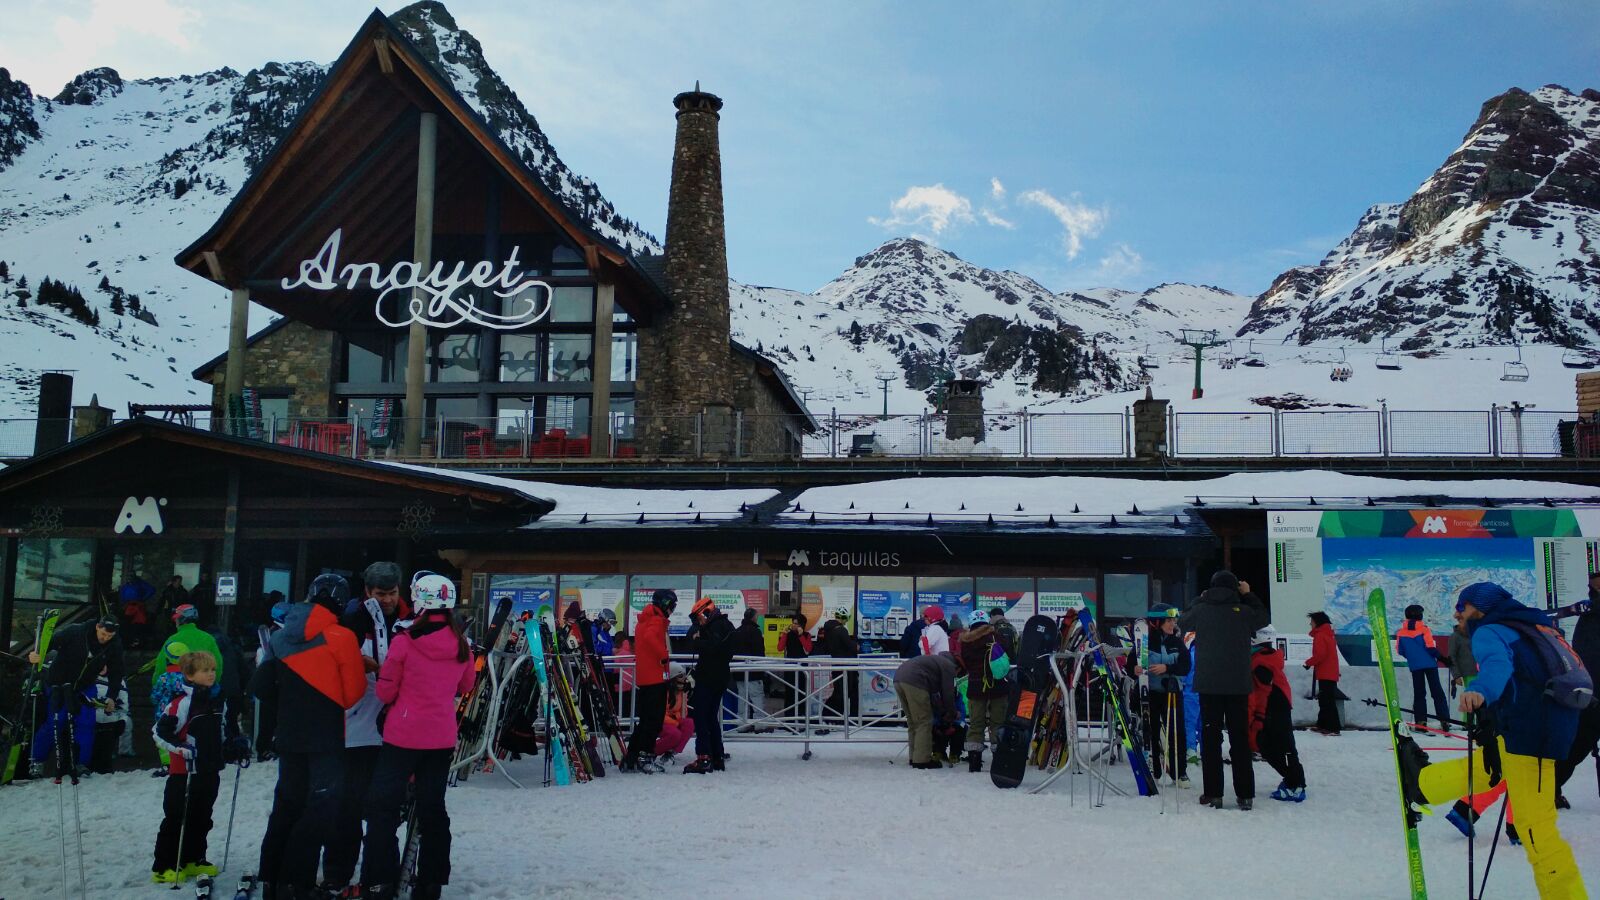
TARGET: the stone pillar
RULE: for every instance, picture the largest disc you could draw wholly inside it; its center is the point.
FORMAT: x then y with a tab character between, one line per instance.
238	332
86	420
422	252
1150	427
963	409
694	370
605	302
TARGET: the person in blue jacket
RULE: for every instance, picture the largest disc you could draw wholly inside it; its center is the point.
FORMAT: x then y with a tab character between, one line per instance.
1415	642
1534	732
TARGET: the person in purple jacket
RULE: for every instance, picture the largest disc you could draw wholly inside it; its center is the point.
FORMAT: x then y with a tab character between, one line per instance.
428	667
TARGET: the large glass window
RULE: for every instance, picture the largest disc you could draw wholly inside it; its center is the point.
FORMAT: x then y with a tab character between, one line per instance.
624	356
513	416
567	260
456	358
1014	595
519	357
57	570
364	356
883	606
571	357
572	304
1127	596
571	414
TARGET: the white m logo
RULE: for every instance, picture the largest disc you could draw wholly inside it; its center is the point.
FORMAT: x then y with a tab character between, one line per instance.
1434	525
799	558
140	515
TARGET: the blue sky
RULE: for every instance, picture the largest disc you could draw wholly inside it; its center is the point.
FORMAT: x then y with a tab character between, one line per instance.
1124	143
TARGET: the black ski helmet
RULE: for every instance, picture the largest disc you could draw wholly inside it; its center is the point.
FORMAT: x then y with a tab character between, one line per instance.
665	600
330	590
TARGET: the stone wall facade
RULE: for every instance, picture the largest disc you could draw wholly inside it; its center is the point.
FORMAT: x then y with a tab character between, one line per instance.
296	359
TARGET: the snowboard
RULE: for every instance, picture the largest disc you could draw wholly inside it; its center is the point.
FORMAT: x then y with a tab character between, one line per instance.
1034	646
1378	620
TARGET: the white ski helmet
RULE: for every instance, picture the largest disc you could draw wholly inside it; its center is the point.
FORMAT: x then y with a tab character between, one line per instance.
1266	635
432	591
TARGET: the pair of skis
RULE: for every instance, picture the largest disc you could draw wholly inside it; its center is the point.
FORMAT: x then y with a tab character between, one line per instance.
19	731
1127	732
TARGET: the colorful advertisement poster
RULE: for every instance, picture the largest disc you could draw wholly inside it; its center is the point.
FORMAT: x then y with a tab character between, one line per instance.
1333	560
1019	605
1059	603
592	600
883	615
877	692
525	602
733	603
819	601
954	603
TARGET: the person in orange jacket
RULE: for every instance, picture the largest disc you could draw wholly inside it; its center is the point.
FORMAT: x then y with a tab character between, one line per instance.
1414	640
650	677
1324	666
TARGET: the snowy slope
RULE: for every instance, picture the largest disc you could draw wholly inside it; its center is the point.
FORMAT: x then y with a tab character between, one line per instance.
853	821
110	178
1500	245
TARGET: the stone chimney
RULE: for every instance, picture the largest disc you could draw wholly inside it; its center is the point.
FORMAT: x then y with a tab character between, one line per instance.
692	373
86	420
1150	427
963	409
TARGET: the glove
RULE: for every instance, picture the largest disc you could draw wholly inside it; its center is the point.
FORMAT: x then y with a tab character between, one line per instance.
186	751
236	750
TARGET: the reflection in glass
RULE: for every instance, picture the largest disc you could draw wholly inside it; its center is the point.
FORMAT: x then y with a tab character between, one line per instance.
571	357
456	358
519	357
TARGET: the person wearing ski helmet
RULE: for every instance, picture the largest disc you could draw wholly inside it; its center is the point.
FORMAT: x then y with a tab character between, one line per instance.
312	673
935	639
428	668
837	642
605	622
650	678
1271	725
1165	721
1532	730
713	646
371	618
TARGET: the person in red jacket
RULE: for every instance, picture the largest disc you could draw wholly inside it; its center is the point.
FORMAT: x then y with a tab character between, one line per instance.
650	677
1271	724
1324	666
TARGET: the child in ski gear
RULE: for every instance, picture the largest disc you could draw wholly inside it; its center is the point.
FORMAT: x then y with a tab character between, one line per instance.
650	675
428	667
199	742
920	683
677	728
1164	714
1271	726
1225	619
111	725
374	629
312	673
982	647
1324	663
78	655
1534	731
1414	640
714	651
934	639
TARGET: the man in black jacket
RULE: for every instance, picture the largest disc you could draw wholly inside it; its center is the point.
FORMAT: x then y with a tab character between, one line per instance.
77	654
839	643
749	641
1223	622
713	645
1585	643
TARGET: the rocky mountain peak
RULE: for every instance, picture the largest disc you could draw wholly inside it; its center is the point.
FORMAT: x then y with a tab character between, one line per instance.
91	87
18	125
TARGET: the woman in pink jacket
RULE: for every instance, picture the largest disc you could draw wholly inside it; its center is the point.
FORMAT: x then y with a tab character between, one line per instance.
428	667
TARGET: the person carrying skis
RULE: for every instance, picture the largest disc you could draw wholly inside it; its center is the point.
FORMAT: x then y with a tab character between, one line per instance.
1165	722
1271	724
1533	729
1324	663
312	673
1224	620
373	630
650	660
1414	640
713	647
1466	811
78	653
919	683
982	648
200	741
428	667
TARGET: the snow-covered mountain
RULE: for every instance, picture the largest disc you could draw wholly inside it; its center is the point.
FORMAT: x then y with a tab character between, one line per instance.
1500	245
101	184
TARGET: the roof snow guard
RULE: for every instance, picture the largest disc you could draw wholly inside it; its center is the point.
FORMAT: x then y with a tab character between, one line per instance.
345	163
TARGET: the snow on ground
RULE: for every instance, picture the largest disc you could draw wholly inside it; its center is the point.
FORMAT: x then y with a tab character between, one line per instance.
851	822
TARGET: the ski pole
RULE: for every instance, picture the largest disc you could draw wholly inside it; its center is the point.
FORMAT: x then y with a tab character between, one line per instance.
233	805
183	822
77	808
1472	833
1373	702
1483	886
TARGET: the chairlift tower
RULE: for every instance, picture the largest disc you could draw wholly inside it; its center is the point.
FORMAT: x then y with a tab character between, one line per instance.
1198	340
884	381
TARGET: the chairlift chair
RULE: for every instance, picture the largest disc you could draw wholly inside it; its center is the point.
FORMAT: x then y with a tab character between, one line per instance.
1514	371
1147	361
1387	361
1340	373
1254	362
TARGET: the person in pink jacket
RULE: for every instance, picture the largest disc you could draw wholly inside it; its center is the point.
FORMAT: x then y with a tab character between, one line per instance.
428	667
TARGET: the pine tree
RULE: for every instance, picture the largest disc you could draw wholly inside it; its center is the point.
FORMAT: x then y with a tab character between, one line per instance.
22	281
857	338
5	271
116	304
134	305
105	283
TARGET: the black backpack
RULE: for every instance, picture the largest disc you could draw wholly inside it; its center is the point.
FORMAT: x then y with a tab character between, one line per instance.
1567	682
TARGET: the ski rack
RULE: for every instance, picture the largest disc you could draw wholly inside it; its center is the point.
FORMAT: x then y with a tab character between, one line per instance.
492	723
1089	742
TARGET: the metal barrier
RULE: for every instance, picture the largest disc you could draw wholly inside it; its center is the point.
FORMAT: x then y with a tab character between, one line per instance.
1078	434
1464	432
1223	434
1341	432
1524	432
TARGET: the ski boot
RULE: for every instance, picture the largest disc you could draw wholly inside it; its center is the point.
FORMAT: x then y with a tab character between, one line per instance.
718	764
1288	794
1511	834
1184	782
35	769
975	761
426	892
1213	802
1562	802
190	870
667	759
1246	804
1463	817
165	876
700	766
930	764
1413	760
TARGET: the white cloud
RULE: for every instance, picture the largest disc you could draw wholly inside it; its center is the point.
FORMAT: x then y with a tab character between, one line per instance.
1077	220
934	207
992	219
1118	267
111	21
997	191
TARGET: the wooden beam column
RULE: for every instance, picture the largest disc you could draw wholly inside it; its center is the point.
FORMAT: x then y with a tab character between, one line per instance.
600	399
238	332
422	252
